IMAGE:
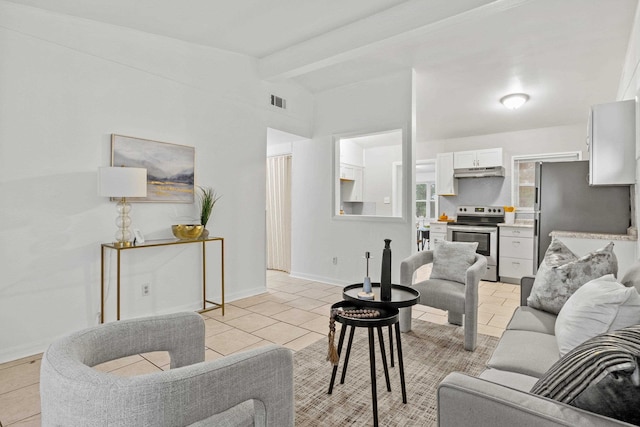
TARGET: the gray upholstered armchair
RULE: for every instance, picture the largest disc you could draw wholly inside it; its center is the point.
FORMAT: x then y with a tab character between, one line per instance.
457	298
250	388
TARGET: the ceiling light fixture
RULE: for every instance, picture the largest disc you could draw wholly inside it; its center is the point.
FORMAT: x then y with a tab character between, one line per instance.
514	101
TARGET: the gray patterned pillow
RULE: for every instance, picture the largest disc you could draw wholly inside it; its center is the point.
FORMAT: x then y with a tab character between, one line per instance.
452	259
561	274
558	254
600	375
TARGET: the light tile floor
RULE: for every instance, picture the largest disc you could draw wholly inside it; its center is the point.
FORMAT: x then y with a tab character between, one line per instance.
293	312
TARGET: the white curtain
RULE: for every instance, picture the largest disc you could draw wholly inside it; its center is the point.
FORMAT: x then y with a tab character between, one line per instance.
279	213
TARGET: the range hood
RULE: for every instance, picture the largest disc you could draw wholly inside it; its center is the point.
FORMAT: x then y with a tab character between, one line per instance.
478	172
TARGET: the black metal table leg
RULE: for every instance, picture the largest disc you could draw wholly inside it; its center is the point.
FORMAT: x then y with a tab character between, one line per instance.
401	364
391	344
349	315
343	330
384	358
372	362
346	358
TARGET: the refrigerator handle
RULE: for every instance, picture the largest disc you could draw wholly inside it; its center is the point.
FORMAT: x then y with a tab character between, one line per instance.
536	242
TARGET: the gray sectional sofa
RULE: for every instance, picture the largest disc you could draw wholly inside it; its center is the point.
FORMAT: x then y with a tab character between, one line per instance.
500	395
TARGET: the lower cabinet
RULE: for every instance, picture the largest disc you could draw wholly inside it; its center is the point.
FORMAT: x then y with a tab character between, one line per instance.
437	233
516	253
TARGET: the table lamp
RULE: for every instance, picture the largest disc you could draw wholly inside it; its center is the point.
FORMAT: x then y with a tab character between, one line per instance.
122	182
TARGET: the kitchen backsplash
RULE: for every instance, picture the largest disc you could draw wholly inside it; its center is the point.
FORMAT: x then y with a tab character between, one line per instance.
490	191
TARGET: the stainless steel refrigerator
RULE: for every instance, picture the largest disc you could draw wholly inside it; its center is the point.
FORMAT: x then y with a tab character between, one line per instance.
564	201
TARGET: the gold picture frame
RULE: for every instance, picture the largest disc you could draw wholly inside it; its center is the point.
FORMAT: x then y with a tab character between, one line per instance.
170	167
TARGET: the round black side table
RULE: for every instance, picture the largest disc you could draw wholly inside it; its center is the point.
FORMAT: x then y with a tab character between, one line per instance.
388	316
402	297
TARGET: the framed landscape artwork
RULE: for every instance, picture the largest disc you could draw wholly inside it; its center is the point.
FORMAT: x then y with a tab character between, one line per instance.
170	167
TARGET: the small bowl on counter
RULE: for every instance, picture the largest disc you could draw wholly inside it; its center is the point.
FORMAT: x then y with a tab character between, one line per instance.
187	231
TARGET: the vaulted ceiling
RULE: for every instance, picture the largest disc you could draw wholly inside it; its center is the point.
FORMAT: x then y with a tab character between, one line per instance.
566	54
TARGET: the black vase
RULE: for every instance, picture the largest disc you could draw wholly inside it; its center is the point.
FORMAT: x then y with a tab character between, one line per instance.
385	275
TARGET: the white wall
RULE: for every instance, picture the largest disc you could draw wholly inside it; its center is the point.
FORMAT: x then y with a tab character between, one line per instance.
497	191
279	149
378	176
531	141
66	85
351	153
630	76
297	118
366	107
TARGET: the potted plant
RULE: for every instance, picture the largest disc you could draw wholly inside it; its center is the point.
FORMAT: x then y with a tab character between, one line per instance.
208	199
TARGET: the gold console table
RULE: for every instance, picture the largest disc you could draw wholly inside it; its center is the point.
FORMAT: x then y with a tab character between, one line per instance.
166	242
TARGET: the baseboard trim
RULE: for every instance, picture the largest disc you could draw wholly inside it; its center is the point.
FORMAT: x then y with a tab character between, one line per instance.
322	279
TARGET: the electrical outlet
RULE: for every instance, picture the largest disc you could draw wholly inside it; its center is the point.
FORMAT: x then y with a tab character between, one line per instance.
146	289
335	260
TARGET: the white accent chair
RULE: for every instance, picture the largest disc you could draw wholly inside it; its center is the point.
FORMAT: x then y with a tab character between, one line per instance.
250	388
460	300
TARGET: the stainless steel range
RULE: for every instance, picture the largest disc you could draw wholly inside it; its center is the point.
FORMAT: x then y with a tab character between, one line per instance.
479	224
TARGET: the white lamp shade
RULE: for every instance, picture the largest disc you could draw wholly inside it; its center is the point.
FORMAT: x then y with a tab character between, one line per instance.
122	182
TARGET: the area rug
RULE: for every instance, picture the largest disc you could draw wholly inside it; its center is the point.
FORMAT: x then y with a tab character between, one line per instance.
430	352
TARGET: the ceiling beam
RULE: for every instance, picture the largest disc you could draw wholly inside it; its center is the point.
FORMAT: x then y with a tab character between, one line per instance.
401	24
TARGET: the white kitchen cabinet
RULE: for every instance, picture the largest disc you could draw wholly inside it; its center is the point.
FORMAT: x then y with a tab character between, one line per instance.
446	184
611	143
516	253
437	233
351	186
490	157
346	172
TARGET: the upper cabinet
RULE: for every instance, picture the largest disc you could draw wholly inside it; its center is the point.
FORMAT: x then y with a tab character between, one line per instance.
446	184
347	172
491	157
611	143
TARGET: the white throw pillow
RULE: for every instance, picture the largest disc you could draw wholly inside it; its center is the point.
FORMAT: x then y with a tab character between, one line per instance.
598	306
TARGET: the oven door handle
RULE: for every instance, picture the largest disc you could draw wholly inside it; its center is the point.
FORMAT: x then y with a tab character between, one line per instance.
472	229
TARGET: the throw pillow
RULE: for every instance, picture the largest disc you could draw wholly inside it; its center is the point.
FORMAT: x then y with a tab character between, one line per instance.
599	306
601	375
452	259
543	285
632	276
558	254
557	278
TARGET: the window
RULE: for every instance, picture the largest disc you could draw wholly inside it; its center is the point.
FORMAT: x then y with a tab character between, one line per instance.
426	200
421	200
362	186
523	179
425	190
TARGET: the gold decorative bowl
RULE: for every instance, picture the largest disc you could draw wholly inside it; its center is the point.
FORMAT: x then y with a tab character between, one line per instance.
187	231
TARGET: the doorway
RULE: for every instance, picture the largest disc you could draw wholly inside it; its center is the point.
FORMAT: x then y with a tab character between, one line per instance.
279	213
278	204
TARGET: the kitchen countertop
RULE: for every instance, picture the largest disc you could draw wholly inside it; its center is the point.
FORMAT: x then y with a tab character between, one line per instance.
523	223
632	235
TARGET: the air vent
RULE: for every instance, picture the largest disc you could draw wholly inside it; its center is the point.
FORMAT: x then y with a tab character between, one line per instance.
276	101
